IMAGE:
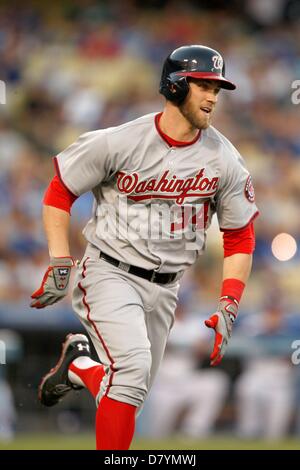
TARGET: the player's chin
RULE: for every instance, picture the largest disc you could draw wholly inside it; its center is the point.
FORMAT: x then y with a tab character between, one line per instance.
204	120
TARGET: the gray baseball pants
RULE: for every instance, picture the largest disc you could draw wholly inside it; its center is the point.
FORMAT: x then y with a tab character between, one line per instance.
128	320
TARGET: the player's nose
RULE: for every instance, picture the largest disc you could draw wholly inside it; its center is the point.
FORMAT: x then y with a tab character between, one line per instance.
212	97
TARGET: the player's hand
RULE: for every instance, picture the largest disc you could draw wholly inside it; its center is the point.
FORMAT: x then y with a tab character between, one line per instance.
54	284
222	322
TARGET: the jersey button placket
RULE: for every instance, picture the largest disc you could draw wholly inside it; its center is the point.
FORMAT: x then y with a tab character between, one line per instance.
170	158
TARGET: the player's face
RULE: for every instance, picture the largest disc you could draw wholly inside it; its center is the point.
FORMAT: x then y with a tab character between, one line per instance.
199	105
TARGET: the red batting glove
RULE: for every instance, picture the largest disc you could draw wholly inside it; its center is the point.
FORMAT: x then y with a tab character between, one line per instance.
222	322
54	284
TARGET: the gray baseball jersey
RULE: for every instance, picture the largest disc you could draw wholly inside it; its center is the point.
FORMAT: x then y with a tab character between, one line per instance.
153	202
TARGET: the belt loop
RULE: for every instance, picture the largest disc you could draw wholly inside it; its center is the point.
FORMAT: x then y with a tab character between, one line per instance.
152	276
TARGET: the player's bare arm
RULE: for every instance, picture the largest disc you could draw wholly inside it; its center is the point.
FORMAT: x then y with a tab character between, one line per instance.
237	266
56	225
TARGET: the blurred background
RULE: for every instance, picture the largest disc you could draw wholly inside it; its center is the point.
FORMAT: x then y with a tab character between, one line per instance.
75	66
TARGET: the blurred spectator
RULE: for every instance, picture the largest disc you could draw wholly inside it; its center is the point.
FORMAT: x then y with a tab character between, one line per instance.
7	412
10	352
98	66
185	399
265	391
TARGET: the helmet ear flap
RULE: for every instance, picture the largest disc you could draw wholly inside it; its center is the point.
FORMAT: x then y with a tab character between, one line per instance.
177	87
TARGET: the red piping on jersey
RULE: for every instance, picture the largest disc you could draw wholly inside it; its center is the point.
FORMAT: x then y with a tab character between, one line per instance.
239	241
58	196
244	226
60	178
96	329
172	142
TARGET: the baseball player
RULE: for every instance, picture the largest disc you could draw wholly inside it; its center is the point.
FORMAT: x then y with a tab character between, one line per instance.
156	181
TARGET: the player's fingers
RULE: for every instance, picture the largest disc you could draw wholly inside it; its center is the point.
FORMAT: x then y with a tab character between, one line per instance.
212	321
45	300
222	346
216	361
36	304
40	291
55	299
37	293
217	346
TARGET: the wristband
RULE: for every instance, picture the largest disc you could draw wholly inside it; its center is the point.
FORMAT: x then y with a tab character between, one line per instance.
232	289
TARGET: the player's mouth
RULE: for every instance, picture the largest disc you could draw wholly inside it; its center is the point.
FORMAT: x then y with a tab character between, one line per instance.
206	109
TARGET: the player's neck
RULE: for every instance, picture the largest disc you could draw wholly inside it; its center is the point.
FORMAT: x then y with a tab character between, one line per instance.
175	125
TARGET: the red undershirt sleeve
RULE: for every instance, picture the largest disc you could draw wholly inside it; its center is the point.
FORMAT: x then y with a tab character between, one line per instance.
239	241
57	195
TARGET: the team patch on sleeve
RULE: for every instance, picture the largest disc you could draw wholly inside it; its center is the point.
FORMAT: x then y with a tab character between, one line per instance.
249	190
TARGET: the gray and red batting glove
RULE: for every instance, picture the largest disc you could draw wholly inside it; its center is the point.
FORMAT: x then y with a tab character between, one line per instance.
54	284
222	321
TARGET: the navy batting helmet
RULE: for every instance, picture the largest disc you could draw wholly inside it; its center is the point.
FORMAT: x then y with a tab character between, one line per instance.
191	61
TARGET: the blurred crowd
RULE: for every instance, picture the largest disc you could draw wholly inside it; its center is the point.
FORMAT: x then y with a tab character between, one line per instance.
71	67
